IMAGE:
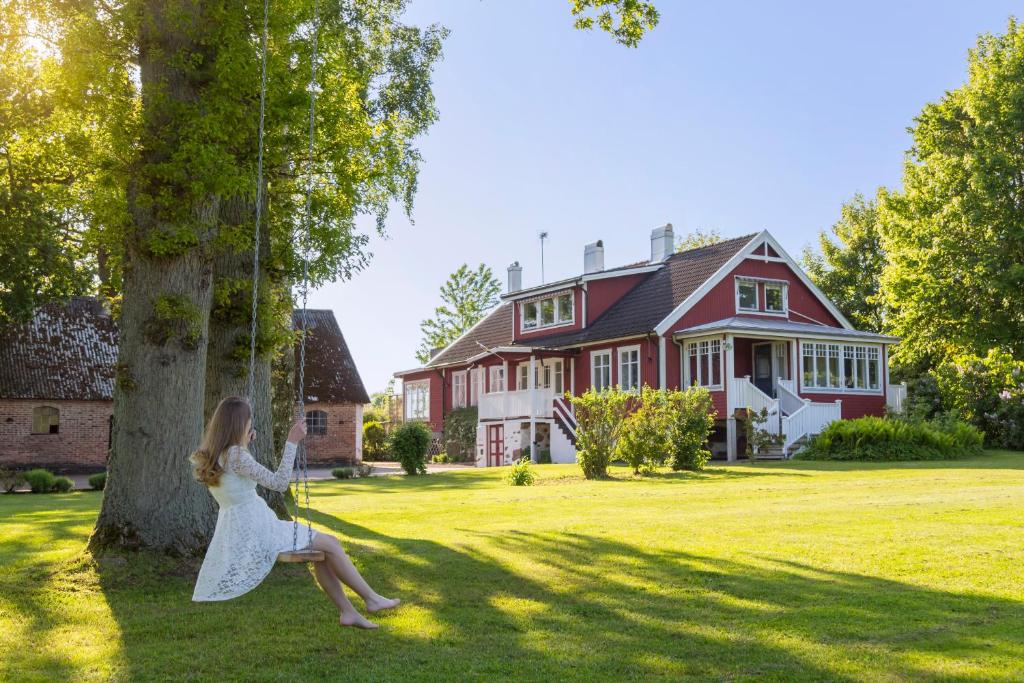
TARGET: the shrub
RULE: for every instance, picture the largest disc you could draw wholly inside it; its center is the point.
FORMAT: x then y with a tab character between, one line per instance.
40	480
544	456
599	418
440	458
758	437
98	482
988	393
374	414
343	472
879	439
62	484
645	441
365	469
10	479
520	473
374	440
460	434
409	443
694	419
924	400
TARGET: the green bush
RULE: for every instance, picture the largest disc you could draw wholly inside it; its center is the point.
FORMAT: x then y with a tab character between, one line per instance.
441	459
10	479
645	443
460	434
988	393
408	443
599	418
98	481
520	473
63	484
694	420
40	480
544	456
343	472
880	439
374	440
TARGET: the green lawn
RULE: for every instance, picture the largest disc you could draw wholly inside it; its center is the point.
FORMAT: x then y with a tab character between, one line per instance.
772	571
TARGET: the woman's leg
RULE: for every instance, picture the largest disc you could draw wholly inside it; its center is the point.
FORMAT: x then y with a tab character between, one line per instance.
329	582
343	568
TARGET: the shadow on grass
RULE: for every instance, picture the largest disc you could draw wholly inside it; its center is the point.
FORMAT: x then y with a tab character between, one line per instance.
990	460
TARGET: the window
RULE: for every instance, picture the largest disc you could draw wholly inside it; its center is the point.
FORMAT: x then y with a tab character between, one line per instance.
459	389
704	363
548	374
497	381
316	423
841	367
775	297
550	311
629	367
417	400
746	295
601	370
45	420
475	377
556	377
524	377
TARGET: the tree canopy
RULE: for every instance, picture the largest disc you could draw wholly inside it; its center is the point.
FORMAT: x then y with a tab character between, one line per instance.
467	296
698	238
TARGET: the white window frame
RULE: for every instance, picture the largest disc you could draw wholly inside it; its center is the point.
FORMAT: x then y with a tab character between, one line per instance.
594	355
861	357
622	351
557	320
757	295
496	378
476	377
523	377
460	389
418	391
782	285
706	346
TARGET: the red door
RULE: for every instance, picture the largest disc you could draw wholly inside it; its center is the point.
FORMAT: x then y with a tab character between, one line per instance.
495	445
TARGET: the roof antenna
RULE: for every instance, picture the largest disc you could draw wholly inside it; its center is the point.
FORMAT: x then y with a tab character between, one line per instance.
543	236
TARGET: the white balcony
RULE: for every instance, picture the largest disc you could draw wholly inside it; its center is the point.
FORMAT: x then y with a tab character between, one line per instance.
511	404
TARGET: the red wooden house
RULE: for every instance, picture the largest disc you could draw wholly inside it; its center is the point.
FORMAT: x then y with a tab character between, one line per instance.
739	317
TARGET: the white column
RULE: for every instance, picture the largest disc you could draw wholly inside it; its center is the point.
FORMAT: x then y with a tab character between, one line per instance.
730	439
662	364
572	375
359	432
794	365
730	369
531	382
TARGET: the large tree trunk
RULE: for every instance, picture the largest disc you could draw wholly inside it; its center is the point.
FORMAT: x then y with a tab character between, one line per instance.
227	357
151	500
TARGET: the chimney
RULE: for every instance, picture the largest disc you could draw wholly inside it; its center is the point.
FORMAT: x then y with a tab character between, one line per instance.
593	257
515	277
663	242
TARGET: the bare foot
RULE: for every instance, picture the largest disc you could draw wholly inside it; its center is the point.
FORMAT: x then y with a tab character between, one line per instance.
379	604
357	620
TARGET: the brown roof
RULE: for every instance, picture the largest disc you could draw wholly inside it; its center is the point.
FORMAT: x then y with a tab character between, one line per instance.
494	330
66	352
641	309
331	375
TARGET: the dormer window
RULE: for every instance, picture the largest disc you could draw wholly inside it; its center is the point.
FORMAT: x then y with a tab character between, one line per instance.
550	311
746	295
775	297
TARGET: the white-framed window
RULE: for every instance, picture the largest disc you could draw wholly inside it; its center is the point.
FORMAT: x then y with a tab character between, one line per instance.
459	389
550	311
841	367
316	423
547	374
629	367
746	295
601	370
417	400
557	376
475	378
776	297
703	366
497	378
523	377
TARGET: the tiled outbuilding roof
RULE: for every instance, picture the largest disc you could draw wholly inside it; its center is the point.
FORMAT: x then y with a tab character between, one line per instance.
67	352
493	331
331	375
641	309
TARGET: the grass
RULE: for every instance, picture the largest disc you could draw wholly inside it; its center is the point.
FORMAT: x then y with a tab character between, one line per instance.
770	571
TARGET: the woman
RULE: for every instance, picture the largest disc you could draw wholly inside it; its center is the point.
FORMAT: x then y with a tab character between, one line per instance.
249	536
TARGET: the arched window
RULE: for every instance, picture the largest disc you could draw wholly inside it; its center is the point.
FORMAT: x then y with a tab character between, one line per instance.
45	420
316	423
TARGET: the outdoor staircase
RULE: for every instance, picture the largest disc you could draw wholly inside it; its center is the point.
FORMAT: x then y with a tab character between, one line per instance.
564	420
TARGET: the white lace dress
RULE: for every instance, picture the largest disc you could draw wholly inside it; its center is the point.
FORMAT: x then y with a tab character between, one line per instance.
248	535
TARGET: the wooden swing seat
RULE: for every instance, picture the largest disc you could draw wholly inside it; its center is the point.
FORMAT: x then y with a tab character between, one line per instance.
301	556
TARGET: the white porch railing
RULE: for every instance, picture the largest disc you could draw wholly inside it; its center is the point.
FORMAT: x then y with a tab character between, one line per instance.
743	394
789	400
895	395
526	403
809	419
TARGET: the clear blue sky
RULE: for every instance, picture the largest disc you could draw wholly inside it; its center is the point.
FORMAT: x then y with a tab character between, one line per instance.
733	116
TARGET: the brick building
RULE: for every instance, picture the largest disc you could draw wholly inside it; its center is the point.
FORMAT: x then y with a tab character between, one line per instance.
57	386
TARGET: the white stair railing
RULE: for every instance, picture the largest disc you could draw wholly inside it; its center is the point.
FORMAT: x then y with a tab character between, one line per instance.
808	420
743	394
789	400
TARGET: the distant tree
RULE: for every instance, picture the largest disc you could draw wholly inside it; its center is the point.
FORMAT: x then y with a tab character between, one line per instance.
698	238
849	264
954	235
467	297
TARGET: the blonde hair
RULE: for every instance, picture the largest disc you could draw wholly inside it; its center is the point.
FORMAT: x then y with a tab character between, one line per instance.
225	429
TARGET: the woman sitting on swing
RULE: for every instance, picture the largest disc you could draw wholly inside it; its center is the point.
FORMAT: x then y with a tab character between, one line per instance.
249	536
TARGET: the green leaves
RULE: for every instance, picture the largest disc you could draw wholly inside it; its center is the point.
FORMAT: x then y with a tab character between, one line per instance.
467	296
625	20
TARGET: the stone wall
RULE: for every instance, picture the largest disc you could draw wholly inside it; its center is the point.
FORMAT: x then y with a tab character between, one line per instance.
343	442
79	446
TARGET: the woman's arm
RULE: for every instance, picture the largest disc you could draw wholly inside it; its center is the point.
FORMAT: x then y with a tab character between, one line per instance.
241	462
